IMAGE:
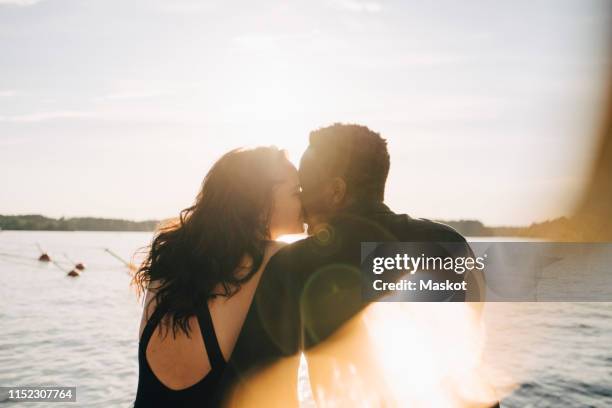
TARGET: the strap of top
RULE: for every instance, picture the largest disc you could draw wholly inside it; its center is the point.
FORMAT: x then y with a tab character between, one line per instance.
149	328
215	356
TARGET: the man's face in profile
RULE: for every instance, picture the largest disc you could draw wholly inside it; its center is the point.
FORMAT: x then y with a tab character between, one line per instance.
316	194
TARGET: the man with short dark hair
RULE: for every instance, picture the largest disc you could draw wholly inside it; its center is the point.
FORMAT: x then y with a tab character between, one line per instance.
313	286
343	165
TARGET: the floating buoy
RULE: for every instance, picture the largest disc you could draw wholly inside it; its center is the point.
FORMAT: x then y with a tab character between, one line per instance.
78	265
73	273
44	257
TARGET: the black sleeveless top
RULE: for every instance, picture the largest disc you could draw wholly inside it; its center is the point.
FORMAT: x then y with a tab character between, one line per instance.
153	393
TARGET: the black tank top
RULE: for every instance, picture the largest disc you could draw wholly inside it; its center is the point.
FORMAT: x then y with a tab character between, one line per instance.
153	393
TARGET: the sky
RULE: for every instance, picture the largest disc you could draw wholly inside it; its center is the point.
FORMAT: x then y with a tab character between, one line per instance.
119	108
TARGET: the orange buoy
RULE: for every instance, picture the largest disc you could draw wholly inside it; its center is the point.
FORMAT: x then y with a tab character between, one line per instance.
80	265
44	257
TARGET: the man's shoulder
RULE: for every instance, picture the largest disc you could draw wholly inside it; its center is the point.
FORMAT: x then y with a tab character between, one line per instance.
427	230
307	253
291	251
295	261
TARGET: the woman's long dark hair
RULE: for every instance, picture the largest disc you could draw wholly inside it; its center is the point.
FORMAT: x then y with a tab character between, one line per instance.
205	246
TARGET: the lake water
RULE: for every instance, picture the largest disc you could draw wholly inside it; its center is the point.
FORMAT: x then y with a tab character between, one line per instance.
82	331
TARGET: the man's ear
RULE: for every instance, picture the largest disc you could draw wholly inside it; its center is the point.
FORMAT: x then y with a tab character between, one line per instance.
338	191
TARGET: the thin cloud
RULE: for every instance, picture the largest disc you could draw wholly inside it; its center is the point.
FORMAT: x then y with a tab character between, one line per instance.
184	7
131	95
358	6
21	3
134	88
267	42
257	42
44	116
8	92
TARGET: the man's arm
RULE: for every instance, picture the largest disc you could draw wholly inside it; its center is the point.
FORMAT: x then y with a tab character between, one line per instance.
277	303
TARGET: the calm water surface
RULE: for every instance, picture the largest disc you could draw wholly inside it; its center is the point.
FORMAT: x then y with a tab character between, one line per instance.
83	332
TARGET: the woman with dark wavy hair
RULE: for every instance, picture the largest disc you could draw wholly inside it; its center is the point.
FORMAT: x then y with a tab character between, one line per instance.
201	272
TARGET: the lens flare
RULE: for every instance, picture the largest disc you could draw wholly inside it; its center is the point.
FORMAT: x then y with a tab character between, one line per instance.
392	354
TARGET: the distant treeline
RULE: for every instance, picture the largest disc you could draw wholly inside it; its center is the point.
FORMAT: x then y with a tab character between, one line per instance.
562	228
41	223
559	229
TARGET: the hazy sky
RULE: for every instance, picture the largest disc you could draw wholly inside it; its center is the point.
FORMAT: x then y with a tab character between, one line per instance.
118	108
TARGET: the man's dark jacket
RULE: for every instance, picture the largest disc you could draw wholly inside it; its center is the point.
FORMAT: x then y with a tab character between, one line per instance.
313	286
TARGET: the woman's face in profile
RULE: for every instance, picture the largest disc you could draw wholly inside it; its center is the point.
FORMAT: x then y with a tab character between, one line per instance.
287	206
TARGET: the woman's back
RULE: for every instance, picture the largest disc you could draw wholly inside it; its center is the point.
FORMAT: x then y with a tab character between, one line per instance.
202	269
182	370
